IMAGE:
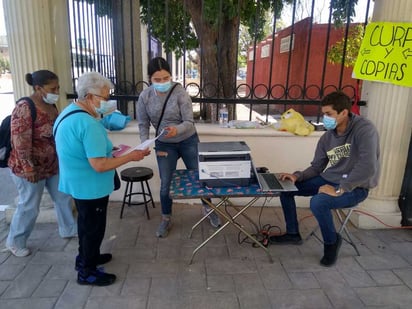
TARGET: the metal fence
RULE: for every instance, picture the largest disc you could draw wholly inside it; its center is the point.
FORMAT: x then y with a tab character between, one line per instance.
289	66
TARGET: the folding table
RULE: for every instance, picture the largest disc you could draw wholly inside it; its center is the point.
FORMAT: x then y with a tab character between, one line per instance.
186	185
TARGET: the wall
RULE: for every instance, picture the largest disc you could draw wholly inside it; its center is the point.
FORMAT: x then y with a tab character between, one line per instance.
279	151
306	65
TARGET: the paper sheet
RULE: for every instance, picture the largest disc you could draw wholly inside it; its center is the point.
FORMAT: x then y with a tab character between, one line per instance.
147	143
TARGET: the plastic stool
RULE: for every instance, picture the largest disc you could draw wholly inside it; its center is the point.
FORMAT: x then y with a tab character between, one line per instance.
137	174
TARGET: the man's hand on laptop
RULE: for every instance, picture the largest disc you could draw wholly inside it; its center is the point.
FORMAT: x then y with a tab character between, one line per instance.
286	176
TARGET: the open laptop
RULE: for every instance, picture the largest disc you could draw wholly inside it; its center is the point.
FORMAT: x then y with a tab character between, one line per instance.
272	182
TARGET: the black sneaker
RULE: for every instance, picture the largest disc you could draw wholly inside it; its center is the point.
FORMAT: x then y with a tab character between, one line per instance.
286	239
95	277
330	254
102	259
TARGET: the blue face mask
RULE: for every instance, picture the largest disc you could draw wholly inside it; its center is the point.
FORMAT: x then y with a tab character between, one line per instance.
106	107
162	87
329	122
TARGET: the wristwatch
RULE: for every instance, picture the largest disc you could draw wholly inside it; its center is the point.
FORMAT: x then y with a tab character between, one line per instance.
339	191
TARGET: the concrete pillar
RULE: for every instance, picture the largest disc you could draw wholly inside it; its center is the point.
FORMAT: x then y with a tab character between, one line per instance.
38	38
389	107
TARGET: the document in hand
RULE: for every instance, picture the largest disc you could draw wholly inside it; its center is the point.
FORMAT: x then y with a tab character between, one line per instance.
147	143
119	150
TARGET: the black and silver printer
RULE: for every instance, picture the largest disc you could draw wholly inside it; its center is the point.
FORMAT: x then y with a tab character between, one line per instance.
224	164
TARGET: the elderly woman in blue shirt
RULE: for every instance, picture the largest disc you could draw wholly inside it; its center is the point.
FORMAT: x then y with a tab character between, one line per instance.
87	170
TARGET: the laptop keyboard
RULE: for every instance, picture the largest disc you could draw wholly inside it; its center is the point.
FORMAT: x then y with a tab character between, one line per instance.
271	181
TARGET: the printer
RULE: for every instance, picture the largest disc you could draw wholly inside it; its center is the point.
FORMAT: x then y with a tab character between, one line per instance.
224	164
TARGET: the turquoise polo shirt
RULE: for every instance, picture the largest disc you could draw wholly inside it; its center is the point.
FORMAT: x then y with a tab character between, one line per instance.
78	138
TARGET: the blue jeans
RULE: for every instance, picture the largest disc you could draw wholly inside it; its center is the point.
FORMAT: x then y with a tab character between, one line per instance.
320	204
167	155
28	207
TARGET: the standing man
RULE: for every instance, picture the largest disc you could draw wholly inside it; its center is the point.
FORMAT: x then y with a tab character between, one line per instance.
344	168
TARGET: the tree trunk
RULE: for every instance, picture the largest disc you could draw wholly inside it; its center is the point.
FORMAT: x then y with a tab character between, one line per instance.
218	58
227	59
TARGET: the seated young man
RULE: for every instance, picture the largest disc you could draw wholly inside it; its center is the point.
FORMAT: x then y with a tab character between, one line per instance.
345	166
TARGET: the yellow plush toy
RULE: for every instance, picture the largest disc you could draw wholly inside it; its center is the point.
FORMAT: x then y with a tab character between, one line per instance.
293	122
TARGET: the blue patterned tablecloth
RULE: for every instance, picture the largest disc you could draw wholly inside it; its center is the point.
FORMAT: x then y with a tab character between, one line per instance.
186	185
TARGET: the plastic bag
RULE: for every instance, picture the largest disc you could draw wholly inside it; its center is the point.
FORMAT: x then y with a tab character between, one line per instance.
115	121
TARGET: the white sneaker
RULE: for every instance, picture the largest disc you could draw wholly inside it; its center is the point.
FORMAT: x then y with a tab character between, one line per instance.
19	252
164	228
71	236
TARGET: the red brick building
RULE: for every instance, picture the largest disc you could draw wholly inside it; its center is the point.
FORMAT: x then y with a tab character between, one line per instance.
309	68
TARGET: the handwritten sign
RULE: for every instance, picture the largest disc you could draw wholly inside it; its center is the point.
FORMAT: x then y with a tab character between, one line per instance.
386	54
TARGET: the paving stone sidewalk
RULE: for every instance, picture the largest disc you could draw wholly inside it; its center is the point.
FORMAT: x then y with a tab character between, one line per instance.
154	273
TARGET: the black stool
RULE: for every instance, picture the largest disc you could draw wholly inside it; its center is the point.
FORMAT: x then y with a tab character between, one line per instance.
137	174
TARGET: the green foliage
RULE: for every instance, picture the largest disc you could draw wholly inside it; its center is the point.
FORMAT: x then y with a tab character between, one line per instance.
353	44
4	65
170	24
245	40
342	9
252	15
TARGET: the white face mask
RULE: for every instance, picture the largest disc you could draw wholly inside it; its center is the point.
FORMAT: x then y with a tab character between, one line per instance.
106	107
51	98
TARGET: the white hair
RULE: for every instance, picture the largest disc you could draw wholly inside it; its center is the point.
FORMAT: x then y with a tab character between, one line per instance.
92	82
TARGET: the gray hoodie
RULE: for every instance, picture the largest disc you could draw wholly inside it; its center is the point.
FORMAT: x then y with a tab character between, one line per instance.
178	113
350	160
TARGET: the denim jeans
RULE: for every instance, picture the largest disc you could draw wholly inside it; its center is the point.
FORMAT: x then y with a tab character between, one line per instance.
320	204
28	207
167	155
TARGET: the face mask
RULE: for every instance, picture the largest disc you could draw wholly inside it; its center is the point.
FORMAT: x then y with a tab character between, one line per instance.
106	107
329	122
51	98
162	87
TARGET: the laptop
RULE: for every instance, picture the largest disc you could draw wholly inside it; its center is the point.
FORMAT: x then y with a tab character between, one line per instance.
272	182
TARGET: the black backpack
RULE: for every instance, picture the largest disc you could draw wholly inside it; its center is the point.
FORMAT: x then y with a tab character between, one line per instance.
5	143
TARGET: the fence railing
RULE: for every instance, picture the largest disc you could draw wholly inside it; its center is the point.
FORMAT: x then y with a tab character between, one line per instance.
290	67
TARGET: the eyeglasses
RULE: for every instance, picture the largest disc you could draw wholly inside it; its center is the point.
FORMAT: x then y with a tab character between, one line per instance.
97	95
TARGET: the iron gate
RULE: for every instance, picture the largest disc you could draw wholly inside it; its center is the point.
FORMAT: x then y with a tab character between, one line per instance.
303	56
